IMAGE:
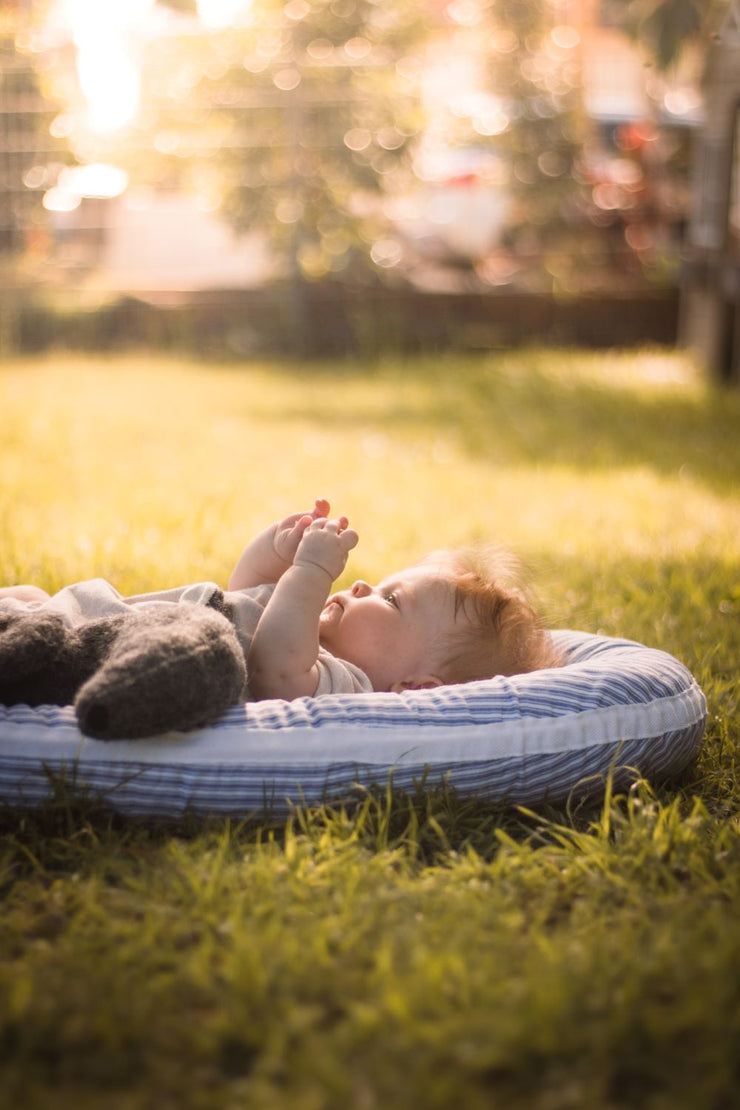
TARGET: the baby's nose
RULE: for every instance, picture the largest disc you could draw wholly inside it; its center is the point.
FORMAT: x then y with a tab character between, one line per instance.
361	589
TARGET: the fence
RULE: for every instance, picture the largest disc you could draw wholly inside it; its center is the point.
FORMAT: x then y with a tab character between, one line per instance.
337	319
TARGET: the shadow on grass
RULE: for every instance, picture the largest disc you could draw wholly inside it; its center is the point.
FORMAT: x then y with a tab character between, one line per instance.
510	410
687	606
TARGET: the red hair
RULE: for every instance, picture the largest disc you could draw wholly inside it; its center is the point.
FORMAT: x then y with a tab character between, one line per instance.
501	632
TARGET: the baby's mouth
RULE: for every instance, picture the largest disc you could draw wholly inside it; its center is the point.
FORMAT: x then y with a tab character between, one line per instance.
332	610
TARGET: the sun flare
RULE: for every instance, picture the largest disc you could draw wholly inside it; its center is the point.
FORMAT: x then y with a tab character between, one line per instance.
107	39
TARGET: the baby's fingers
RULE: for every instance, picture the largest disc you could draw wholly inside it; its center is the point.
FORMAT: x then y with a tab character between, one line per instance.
299	527
336	526
323	525
349	539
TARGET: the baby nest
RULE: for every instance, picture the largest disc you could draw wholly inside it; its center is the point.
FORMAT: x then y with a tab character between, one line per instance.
615	707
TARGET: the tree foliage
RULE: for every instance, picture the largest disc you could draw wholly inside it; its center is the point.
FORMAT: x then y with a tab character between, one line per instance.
665	26
533	128
300	123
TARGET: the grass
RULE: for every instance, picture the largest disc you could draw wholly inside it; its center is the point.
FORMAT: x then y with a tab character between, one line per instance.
405	950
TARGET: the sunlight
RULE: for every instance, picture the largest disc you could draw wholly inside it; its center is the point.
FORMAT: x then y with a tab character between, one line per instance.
217	15
107	58
108	39
93	180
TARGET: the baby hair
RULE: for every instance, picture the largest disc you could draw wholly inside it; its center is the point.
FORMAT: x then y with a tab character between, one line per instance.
503	633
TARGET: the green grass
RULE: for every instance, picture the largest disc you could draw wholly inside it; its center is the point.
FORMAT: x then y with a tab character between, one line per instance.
404	950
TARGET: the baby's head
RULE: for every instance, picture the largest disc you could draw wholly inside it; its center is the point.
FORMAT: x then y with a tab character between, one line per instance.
455	617
497	631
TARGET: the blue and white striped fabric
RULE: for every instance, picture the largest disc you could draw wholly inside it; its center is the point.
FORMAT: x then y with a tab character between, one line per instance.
532	738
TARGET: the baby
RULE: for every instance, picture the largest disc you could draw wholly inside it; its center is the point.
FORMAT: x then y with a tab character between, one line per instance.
446	620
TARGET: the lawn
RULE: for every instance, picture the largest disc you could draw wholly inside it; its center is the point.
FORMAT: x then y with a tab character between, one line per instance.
403	950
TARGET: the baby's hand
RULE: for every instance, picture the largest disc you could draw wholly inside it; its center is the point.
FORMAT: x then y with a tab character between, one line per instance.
288	532
326	544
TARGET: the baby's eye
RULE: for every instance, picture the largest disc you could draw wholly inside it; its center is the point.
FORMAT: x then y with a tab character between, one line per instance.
392	600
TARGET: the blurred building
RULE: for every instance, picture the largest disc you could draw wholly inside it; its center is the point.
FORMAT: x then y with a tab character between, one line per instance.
149	239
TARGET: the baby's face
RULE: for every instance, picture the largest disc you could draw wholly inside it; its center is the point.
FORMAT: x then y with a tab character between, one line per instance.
391	631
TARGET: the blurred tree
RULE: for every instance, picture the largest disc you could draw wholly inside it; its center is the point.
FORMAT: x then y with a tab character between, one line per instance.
536	72
298	123
571	222
329	113
673	36
665	26
30	160
529	121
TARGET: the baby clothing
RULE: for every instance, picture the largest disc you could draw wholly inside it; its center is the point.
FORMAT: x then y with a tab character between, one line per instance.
88	600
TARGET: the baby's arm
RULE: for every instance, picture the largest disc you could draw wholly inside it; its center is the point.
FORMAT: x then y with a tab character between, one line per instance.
269	554
283	657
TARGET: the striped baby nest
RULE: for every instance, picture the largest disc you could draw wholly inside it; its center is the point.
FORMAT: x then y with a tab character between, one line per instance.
615	706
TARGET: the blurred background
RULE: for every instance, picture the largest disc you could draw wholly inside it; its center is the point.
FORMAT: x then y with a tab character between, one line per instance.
321	177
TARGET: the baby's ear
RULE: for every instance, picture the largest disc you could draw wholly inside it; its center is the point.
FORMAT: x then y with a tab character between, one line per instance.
426	682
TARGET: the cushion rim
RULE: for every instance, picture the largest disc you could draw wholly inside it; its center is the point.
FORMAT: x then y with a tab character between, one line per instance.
527	738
